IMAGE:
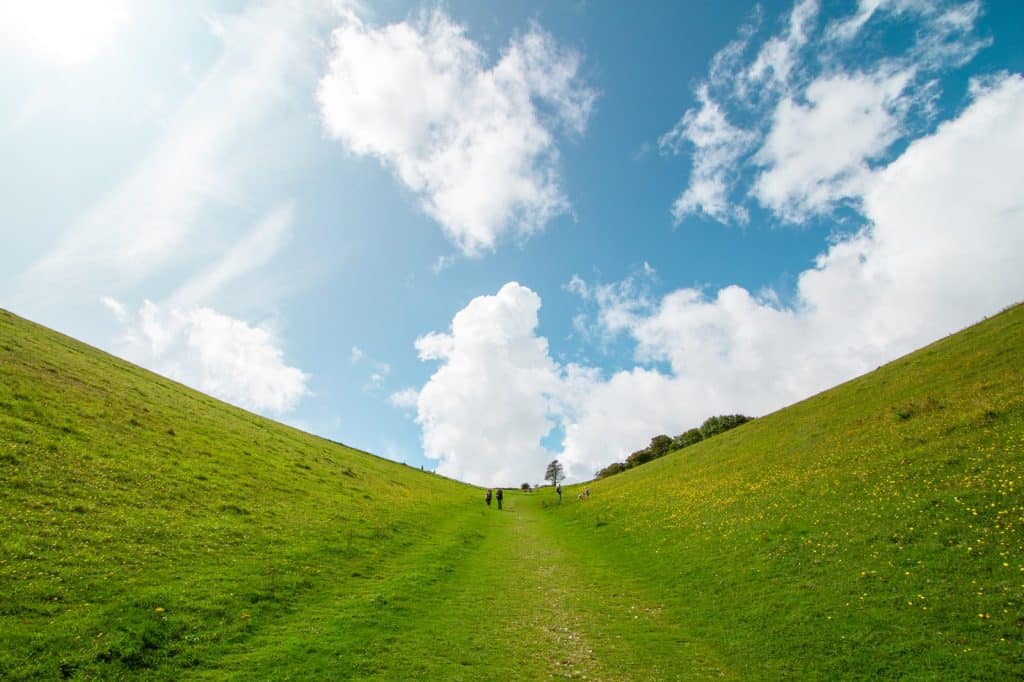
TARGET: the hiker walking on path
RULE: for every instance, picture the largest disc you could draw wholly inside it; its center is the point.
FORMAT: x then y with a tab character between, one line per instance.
558	489
499	496
488	497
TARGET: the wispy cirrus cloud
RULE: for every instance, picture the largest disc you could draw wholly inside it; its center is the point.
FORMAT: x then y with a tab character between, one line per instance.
377	372
172	206
189	223
477	144
780	54
185	338
718	146
252	251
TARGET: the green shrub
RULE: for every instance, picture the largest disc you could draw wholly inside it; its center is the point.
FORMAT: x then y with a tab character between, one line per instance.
714	425
660	445
686	439
639	457
611	470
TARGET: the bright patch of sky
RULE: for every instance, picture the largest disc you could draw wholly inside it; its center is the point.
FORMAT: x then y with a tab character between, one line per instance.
479	237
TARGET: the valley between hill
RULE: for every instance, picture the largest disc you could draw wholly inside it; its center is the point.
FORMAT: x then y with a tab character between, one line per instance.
875	530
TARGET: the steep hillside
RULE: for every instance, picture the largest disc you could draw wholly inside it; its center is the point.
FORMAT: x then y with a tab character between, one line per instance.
145	527
875	530
872	531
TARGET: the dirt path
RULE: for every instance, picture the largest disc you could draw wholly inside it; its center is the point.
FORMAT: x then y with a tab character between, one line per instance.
526	603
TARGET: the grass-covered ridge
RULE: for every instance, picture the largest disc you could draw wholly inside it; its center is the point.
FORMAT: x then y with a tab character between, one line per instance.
145	527
875	530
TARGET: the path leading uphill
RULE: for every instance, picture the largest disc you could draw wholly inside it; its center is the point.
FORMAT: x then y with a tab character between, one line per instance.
526	603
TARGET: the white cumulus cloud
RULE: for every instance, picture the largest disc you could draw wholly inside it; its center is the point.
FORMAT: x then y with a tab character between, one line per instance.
942	248
228	358
487	407
476	144
818	153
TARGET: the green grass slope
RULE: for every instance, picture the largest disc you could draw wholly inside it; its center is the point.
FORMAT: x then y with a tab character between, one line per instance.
874	531
147	528
871	532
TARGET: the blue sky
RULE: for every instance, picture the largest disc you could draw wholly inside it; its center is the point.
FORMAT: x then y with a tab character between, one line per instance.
476	237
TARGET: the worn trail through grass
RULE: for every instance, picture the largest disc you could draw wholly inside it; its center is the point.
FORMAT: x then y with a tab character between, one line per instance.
531	599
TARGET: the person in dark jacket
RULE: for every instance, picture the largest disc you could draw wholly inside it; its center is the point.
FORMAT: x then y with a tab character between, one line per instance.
488	498
499	496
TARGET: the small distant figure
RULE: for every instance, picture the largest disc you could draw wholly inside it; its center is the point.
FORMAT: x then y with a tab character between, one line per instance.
488	497
581	496
499	496
558	489
586	491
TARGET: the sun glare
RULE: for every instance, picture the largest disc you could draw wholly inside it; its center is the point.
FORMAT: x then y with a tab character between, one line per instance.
63	32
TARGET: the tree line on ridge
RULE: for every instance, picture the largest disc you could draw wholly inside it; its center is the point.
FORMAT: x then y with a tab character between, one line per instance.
661	445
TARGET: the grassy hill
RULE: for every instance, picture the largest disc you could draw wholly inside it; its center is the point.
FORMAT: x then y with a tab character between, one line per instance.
872	531
147	527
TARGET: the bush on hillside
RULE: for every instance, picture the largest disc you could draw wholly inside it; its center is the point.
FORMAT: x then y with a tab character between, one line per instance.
611	470
686	439
714	425
639	457
661	445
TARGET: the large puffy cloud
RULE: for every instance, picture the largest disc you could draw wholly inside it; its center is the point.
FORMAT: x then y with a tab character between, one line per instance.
487	407
215	353
947	218
942	248
476	144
